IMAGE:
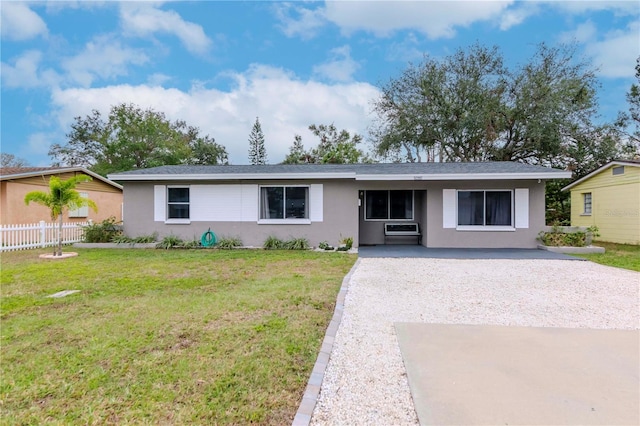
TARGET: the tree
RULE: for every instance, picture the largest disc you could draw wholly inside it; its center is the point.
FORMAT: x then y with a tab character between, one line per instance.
632	118
334	147
61	196
297	153
471	107
10	160
257	152
132	138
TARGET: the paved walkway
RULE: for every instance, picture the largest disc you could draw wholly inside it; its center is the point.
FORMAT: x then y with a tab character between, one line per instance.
417	251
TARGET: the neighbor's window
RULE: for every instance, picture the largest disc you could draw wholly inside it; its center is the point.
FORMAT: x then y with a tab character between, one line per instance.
284	202
485	208
389	205
586	199
618	170
82	211
178	203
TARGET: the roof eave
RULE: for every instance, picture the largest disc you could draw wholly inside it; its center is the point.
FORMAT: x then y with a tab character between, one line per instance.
599	170
230	176
343	175
59	171
468	176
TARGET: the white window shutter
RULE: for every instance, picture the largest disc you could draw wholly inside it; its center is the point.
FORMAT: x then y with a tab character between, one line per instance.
449	216
316	205
159	203
522	208
250	197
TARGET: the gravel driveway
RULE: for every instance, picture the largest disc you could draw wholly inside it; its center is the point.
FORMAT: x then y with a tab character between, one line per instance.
365	382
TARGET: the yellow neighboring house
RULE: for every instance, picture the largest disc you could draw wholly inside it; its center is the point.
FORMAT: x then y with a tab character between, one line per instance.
609	198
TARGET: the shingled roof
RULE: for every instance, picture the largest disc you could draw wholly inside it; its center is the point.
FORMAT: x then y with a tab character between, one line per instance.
391	171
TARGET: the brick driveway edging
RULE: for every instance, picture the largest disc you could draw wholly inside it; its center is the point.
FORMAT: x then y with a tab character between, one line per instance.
311	393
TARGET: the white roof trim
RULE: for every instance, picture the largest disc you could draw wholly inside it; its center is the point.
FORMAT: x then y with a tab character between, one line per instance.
468	176
601	169
59	171
232	176
349	175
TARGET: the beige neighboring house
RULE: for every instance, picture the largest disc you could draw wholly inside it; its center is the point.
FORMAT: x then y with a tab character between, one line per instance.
609	198
16	182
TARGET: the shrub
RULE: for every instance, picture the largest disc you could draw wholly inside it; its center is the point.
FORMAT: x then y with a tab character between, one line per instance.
297	244
169	241
557	237
273	243
102	232
348	242
191	244
324	246
228	243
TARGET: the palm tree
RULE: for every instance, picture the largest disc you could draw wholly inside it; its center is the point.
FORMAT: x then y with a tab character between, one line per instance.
62	195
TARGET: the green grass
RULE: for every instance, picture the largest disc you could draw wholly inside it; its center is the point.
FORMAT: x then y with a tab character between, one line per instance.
619	255
163	337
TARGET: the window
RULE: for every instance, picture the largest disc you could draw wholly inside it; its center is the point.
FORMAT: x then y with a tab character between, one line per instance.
389	205
81	211
178	203
586	199
485	208
284	202
618	170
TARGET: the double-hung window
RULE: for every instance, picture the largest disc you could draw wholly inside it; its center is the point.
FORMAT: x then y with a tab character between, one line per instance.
284	202
586	201
389	205
485	209
178	203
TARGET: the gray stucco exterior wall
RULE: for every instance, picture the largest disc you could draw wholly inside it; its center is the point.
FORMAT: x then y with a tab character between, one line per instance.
340	217
343	215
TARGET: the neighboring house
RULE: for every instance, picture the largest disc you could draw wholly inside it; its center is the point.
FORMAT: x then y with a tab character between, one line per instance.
16	182
499	204
609	198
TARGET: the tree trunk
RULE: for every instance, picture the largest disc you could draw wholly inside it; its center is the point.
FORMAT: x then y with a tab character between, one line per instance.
60	237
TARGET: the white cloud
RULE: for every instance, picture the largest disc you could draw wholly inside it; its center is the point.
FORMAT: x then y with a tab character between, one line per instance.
621	7
19	22
518	14
406	50
24	72
103	57
584	32
340	66
299	21
286	106
616	53
436	19
145	19
157	79
38	143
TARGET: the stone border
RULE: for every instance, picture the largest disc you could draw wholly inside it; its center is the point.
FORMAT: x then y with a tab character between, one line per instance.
573	250
312	392
116	245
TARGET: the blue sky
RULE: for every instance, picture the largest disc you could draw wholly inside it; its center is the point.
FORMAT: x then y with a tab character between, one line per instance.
219	65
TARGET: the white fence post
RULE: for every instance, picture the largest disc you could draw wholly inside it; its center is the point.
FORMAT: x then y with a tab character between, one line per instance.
43	228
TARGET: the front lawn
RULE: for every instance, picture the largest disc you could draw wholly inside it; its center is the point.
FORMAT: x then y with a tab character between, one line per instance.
620	255
163	337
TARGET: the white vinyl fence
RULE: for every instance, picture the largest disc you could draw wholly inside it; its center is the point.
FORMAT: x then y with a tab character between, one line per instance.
43	234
